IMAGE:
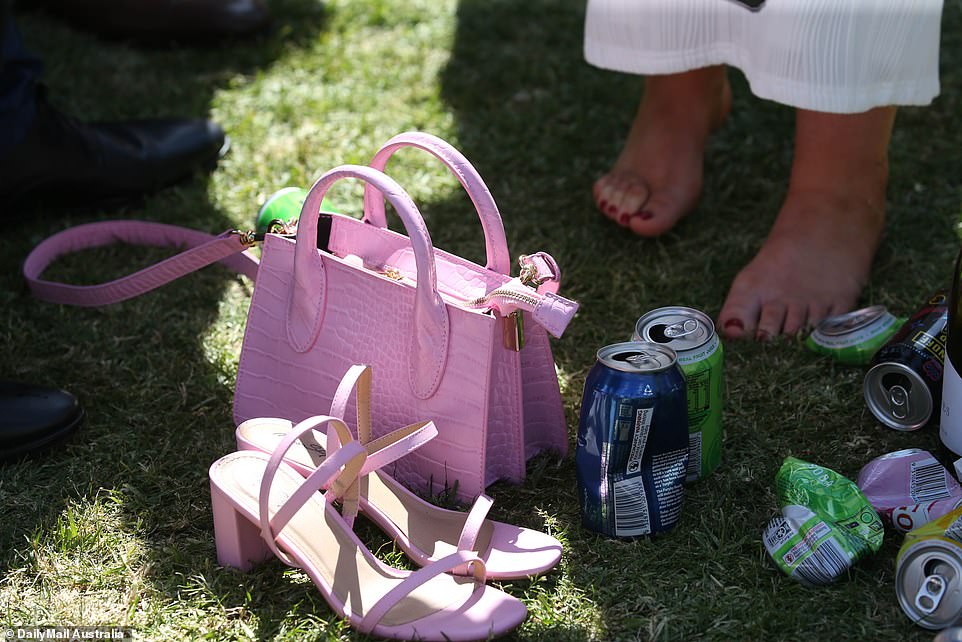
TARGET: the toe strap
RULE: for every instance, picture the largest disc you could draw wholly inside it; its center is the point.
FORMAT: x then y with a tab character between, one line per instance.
474	522
471	529
419	577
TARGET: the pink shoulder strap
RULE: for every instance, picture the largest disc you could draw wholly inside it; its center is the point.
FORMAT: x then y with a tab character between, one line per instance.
228	248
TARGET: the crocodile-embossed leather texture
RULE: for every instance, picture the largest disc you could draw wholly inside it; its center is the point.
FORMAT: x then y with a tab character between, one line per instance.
361	303
428	340
368	319
544	425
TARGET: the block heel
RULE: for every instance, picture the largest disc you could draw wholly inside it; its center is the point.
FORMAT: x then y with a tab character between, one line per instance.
424	531
303	529
238	541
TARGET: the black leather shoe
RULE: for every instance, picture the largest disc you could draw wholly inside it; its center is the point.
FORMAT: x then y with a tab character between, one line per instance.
156	21
34	418
65	162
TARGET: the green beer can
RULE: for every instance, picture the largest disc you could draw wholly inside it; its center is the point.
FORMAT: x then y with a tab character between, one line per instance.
853	338
285	205
691	334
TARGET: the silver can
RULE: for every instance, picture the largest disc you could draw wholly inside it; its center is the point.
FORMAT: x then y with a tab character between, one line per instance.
904	385
927	582
898	396
953	634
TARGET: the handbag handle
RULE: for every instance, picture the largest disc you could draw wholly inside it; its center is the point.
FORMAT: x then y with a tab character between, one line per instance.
496	244
427	352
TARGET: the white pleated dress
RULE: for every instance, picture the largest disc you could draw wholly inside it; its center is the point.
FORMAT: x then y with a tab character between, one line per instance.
841	56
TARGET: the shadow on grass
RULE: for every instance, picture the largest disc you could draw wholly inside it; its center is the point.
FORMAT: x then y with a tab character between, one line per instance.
158	402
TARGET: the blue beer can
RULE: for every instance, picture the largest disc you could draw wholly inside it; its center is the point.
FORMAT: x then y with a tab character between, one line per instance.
632	450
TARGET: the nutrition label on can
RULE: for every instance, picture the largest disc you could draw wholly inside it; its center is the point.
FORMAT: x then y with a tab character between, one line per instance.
699	395
630	499
668	472
639	439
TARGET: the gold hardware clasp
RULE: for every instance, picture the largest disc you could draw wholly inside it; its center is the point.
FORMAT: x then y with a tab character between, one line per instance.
529	273
391	272
246	237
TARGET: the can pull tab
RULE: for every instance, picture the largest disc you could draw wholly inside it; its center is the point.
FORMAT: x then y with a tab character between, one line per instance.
930	594
641	358
683	329
898	402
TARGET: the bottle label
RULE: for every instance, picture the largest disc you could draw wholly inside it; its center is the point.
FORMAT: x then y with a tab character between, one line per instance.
950	429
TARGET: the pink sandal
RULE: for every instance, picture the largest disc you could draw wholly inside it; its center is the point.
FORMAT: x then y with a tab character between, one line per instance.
425	532
261	505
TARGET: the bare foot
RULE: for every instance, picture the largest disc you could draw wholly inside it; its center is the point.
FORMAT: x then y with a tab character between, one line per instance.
818	256
657	178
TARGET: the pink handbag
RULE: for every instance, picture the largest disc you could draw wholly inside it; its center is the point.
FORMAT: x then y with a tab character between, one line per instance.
450	341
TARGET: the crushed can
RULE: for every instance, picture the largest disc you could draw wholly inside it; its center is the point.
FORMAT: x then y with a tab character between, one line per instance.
853	338
928	572
909	488
826	524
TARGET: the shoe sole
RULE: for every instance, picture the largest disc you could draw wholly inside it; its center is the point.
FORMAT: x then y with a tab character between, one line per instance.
44	444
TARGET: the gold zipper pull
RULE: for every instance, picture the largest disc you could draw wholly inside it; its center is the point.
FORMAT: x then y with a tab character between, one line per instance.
392	272
514	331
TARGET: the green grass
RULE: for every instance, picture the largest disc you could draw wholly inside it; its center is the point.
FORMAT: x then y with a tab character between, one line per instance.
115	528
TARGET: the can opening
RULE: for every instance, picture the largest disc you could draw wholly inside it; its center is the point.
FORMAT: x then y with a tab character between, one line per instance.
939	568
657	334
666	333
896	380
635	357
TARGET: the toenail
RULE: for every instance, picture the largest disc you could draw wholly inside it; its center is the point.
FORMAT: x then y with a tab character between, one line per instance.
761	335
603	204
612	209
623	218
734	323
645	215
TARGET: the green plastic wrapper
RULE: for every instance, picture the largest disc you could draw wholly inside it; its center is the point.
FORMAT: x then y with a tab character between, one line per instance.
826	524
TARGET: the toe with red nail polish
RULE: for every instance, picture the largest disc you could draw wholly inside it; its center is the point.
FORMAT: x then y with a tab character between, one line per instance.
734	324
